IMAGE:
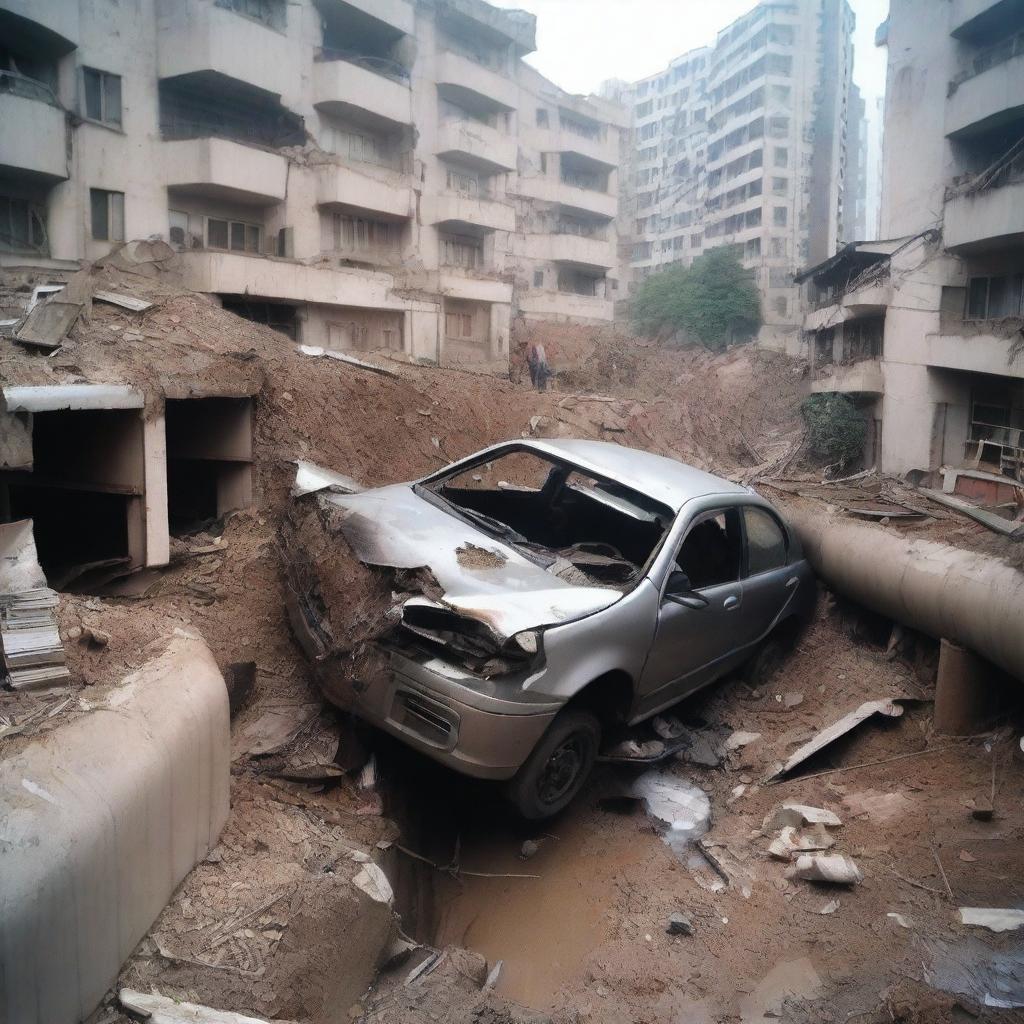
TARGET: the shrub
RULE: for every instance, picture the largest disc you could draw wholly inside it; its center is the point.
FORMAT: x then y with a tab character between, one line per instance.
835	428
713	300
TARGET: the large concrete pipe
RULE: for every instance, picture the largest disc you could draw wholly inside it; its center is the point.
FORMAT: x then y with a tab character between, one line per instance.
940	590
100	820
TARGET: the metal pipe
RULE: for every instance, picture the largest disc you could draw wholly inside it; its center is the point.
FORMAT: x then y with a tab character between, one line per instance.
946	592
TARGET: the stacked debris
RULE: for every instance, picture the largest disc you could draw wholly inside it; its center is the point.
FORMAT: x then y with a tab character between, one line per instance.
33	654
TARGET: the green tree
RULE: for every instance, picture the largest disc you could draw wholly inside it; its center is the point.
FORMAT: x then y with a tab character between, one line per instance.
713	300
835	428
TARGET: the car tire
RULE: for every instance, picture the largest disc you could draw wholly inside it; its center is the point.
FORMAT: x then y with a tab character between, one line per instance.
558	766
764	665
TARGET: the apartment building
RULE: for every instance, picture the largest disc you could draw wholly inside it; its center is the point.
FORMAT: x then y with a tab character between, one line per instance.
923	329
744	143
359	174
855	191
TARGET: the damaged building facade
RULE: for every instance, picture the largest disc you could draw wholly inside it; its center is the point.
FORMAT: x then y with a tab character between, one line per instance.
923	330
358	174
744	143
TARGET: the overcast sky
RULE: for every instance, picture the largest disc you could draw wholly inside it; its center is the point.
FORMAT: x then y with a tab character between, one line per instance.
580	43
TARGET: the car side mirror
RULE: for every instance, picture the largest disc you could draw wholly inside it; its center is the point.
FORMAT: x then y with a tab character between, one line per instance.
680	591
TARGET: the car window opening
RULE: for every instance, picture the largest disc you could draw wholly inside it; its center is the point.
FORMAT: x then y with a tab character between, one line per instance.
584	530
711	553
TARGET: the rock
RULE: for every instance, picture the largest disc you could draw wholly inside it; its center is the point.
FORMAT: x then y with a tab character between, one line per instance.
792	700
528	849
668	728
703	751
828	867
792	813
679	924
96	637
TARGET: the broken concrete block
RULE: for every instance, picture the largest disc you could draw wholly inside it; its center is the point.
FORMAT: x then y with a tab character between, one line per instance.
791	841
994	919
836	868
791	813
679	924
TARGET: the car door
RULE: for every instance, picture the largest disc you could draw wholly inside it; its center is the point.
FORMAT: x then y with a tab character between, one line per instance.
690	643
770	583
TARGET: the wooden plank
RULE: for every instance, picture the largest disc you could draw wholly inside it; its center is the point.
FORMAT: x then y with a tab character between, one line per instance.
1008	528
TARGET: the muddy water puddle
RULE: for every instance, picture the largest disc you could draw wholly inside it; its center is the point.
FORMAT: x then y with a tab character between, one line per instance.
544	928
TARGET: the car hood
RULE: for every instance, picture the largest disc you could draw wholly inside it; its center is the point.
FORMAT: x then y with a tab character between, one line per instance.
480	576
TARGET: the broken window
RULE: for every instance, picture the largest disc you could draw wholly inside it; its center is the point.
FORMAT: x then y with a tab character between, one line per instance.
575	525
464	182
107	215
102	96
711	552
458	325
989	298
461	251
234	235
22	226
364	234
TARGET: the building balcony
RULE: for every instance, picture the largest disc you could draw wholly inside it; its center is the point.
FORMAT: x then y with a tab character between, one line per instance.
978	347
478	145
579	250
387	192
33	140
553	190
992	218
228	273
398	14
870	300
476	211
346	88
864	377
603	151
968	17
222	169
55	22
197	37
470	84
473	288
552	305
988	98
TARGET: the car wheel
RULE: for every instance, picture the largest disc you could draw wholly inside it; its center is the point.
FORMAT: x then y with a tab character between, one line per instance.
763	666
558	766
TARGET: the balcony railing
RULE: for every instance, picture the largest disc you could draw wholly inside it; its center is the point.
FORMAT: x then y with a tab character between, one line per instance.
598	232
1007	170
990	57
16	84
587	181
378	65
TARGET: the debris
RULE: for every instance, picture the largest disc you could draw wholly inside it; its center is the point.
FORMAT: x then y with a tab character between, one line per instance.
310	478
679	924
630	750
796	815
95	637
397	953
967	858
790	841
48	324
493	975
316	350
994	522
785	981
274	729
703	749
829	908
528	849
888	707
900	919
826	867
995	920
738	740
125	301
374	883
876	805
161	1010
33	654
424	966
683	807
942	871
668	728
240	679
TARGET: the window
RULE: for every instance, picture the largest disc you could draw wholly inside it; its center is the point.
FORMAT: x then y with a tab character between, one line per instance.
779	216
538	279
461	251
458	325
992	297
766	541
779	186
464	182
21	226
781	305
235	235
269	12
781	156
710	554
362	234
178	224
752	248
542	117
107	214
102	96
778	247
695	240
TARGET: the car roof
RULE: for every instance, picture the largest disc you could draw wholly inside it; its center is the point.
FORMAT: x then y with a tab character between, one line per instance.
666	480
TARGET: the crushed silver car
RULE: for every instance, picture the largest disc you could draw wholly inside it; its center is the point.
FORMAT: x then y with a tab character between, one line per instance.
499	614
